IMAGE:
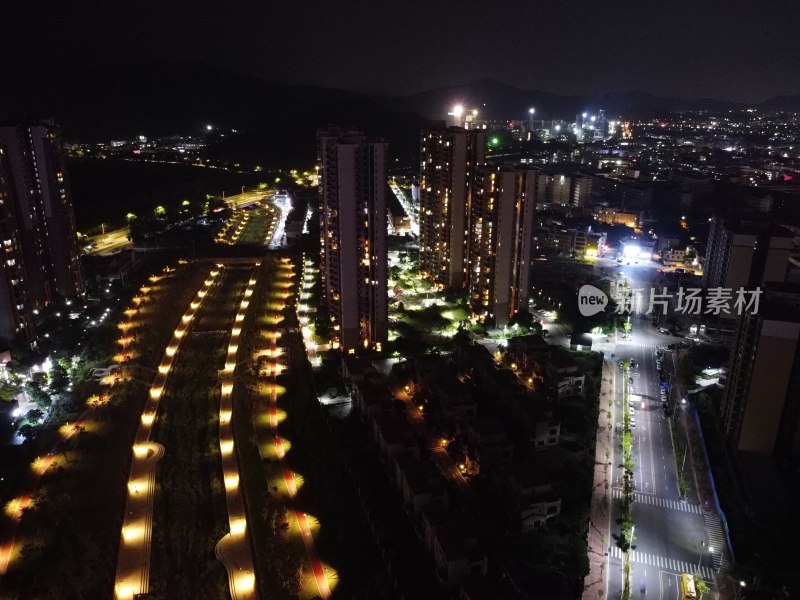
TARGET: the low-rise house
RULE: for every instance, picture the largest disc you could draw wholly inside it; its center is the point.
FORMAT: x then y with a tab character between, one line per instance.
419	482
545	433
393	434
356	369
530	499
526	351
560	374
455	398
486	446
371	396
477	362
429	368
454	546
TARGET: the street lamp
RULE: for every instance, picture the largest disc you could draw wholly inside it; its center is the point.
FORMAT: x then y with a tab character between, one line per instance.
699	560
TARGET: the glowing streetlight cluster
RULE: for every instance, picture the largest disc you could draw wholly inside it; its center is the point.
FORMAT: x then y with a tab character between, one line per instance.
233	228
291	479
241	578
133	562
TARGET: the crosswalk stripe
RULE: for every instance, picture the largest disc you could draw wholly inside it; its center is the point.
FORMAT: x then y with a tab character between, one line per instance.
652	500
662	562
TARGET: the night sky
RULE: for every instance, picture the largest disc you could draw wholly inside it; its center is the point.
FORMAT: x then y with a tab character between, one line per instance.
745	50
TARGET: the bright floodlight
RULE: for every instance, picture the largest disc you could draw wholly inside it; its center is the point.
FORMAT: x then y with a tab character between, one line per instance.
631	250
583	115
531	110
458	110
209	127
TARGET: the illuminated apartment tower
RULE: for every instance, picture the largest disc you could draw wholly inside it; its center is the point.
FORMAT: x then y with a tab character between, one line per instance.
42	209
501	233
353	236
760	406
449	157
745	253
16	320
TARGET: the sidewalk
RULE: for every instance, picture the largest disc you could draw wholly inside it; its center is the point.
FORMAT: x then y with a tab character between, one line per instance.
596	582
706	496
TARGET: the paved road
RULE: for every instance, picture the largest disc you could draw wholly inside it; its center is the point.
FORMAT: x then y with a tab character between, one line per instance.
110	242
670	532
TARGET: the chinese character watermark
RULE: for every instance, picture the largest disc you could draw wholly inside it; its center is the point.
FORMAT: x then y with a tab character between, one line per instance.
692	301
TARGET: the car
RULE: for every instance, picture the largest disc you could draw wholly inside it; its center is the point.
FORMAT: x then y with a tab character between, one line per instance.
633	363
630	379
633	424
659	353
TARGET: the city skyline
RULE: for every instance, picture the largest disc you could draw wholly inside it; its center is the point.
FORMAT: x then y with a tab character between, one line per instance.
289	312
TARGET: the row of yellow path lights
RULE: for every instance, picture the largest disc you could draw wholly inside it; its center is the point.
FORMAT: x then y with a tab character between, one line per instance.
133	561
233	549
324	575
15	507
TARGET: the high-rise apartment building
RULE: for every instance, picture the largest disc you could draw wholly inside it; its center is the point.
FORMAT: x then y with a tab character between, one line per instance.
353	225
16	320
449	157
745	253
760	406
37	225
501	225
43	210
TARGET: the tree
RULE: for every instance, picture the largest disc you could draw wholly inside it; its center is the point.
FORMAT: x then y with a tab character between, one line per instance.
58	378
28	431
35	415
8	391
38	395
700	586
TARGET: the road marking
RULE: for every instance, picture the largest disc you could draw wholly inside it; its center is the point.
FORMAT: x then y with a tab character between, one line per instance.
654	500
654	560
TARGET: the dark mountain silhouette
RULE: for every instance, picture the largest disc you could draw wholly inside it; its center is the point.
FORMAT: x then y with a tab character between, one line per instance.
497	100
277	122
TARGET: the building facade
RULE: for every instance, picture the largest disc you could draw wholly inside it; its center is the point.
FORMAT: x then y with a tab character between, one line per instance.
353	237
745	254
16	318
449	157
44	210
502	215
760	406
37	224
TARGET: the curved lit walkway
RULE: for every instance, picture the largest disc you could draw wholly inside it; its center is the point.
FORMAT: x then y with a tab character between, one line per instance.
233	550
15	508
133	561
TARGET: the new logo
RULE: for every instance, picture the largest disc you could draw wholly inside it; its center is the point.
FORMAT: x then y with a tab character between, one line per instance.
591	300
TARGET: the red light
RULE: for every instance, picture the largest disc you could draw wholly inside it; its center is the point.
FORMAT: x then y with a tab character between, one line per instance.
662	124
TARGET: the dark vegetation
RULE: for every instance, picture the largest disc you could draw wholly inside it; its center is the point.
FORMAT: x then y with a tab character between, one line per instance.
190	515
74	523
